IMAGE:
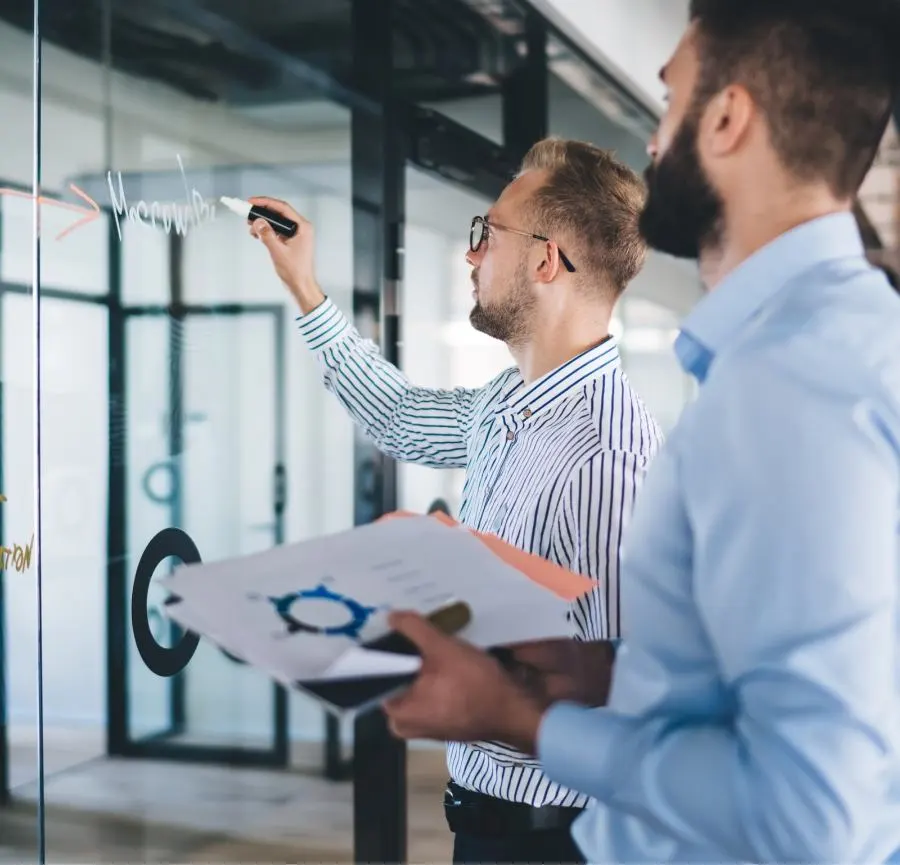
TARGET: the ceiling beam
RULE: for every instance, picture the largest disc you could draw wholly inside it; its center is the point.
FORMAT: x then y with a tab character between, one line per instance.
238	39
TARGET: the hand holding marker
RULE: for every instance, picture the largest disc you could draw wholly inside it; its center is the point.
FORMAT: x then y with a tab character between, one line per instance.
251	212
290	241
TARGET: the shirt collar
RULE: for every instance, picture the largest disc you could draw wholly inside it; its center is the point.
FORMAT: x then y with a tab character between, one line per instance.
724	313
560	382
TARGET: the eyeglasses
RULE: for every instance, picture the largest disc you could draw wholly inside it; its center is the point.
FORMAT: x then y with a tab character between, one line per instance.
481	228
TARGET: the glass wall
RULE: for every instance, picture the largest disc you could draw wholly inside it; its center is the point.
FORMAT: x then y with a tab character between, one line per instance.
174	394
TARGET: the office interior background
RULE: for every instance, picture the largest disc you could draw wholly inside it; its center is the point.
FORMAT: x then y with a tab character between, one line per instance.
176	393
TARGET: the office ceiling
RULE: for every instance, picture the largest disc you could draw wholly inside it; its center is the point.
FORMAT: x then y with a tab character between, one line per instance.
231	50
269	60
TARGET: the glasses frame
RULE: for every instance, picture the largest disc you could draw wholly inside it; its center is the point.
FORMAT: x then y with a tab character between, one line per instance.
487	225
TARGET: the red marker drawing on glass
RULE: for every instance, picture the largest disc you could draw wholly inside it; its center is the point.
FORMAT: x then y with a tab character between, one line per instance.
88	214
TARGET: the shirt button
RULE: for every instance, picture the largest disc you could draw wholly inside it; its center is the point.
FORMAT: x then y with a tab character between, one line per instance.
510	436
526	413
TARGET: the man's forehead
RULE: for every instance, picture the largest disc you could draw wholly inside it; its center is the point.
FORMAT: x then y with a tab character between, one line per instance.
518	191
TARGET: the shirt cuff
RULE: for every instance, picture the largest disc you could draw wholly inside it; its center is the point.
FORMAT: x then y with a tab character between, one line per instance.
577	746
324	326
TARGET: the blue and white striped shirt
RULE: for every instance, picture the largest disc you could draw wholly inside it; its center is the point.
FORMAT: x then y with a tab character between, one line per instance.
551	467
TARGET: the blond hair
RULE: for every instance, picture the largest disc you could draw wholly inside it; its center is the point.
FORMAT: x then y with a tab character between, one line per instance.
596	201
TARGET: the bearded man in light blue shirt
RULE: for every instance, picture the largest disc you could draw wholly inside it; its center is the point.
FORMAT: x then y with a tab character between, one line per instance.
755	707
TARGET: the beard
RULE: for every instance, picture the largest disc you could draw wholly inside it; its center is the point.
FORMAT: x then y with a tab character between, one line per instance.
683	213
507	319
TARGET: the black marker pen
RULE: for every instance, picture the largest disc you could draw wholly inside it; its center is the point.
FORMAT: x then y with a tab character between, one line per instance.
280	224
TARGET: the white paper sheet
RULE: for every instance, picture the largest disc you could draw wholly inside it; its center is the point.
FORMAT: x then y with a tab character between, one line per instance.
301	611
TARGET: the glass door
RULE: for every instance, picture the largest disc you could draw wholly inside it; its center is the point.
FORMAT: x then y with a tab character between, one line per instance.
205	481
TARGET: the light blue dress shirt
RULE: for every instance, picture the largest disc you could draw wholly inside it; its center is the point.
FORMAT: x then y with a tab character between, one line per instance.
755	709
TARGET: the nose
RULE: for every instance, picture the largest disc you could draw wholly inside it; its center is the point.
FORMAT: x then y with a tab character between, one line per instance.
473	258
653	146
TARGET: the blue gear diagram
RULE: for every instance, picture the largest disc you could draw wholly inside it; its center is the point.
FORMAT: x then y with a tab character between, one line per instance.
358	614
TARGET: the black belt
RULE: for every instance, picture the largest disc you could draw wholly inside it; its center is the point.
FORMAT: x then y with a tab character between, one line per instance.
477	814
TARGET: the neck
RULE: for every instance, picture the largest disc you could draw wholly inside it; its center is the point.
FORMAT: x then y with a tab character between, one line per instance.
749	229
558	340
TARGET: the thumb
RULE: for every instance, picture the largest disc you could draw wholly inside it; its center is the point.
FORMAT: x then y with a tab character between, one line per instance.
428	639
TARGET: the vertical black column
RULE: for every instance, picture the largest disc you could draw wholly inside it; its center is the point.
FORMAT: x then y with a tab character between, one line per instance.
525	92
117	603
378	170
282	744
177	324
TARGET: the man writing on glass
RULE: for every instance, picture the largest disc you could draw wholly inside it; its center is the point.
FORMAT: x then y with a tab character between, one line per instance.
554	448
755	705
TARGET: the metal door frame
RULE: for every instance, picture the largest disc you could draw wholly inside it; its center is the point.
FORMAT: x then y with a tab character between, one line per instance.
158	745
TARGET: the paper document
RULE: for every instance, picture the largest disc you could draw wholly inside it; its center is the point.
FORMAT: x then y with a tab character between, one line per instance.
302	612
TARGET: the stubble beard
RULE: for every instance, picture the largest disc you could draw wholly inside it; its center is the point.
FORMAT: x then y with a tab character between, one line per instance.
510	318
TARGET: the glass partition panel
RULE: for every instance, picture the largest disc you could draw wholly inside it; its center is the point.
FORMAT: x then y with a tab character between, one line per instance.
176	397
19	620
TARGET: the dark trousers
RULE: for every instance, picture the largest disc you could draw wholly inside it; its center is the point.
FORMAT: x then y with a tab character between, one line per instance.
552	846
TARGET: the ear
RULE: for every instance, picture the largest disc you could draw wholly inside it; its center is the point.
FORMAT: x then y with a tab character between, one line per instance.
549	265
726	121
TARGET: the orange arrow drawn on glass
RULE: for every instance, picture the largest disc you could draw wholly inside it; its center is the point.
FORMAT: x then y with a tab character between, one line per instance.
88	214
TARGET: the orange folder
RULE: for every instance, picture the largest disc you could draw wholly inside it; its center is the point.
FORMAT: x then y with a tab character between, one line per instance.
566	584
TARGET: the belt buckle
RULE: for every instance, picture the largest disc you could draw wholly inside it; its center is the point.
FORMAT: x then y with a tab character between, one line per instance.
451	799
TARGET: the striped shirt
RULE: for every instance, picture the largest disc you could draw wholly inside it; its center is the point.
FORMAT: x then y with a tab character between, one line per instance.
551	467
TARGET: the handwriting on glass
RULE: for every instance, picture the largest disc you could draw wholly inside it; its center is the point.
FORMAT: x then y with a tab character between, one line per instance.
16	556
165	215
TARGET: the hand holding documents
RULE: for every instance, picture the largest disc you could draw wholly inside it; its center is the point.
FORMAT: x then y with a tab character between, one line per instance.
313	615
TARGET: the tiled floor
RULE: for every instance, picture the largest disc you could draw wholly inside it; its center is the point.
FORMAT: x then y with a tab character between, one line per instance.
103	810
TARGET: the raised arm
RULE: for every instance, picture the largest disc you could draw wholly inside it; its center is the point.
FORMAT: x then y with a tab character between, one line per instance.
414	424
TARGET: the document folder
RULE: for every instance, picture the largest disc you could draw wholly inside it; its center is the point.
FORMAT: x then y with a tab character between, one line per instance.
309	614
